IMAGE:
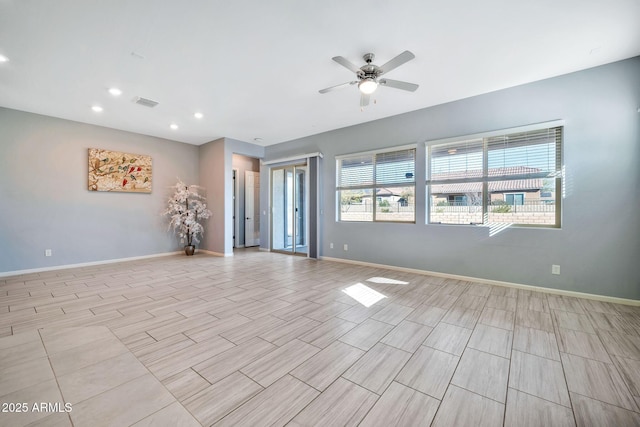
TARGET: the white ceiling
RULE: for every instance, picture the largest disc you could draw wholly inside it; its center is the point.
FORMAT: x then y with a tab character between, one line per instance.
254	68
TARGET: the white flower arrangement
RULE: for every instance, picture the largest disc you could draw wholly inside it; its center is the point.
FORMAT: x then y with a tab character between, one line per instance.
185	209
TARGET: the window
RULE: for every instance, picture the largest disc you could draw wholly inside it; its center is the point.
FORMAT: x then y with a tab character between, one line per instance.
377	186
514	198
502	178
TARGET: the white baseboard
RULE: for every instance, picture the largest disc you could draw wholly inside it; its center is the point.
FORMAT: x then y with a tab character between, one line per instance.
605	298
84	264
204	251
264	249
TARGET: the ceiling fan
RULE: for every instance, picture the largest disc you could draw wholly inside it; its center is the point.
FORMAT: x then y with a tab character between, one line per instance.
368	76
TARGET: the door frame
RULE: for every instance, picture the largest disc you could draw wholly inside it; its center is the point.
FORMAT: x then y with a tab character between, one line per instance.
306	208
256	207
236	209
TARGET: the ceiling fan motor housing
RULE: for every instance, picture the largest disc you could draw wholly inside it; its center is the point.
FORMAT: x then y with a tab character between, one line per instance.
369	70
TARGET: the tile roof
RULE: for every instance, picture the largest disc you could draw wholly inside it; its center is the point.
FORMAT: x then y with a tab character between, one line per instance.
477	173
494	186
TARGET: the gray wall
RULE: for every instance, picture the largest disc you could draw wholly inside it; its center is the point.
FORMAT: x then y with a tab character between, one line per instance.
211	166
45	204
598	246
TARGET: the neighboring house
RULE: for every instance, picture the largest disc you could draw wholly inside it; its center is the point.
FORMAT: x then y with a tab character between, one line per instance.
391	195
395	196
511	191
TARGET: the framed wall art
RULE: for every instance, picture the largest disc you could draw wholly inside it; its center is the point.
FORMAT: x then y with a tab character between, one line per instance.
116	171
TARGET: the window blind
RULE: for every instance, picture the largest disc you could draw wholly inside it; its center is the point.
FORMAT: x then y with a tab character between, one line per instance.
533	154
457	160
396	167
514	177
355	171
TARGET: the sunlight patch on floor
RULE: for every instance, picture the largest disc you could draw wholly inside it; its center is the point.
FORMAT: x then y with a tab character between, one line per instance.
385	280
363	294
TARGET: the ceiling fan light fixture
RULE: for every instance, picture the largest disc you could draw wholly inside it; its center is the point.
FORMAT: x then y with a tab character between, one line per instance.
368	86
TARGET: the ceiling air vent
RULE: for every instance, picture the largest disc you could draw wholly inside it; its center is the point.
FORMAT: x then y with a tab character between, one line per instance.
144	101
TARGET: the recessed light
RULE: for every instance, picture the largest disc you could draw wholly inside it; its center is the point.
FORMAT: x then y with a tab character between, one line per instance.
97	108
115	91
173	126
4	58
198	115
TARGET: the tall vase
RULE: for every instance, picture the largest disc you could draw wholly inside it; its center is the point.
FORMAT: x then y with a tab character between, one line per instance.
189	250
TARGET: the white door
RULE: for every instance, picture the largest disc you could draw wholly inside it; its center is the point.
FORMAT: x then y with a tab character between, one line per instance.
251	208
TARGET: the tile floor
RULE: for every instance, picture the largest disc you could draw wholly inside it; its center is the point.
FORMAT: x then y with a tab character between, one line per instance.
268	339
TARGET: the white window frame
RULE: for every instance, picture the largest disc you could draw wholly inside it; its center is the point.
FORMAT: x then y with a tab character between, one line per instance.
374	185
559	179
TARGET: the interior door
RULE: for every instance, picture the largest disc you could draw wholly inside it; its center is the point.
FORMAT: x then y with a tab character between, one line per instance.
251	208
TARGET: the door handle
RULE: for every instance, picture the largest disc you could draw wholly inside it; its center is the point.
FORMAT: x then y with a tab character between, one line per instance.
248	218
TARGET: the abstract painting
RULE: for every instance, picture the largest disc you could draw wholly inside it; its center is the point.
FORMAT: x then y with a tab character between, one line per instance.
116	171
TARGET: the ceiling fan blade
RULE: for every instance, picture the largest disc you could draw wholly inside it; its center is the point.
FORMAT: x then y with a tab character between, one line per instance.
329	89
364	100
405	56
347	64
397	84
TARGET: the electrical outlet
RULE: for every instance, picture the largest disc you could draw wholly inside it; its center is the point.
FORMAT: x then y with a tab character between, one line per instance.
555	269
346	247
331	245
47	252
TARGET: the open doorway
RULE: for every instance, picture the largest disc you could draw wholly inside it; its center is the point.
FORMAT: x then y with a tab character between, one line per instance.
246	206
